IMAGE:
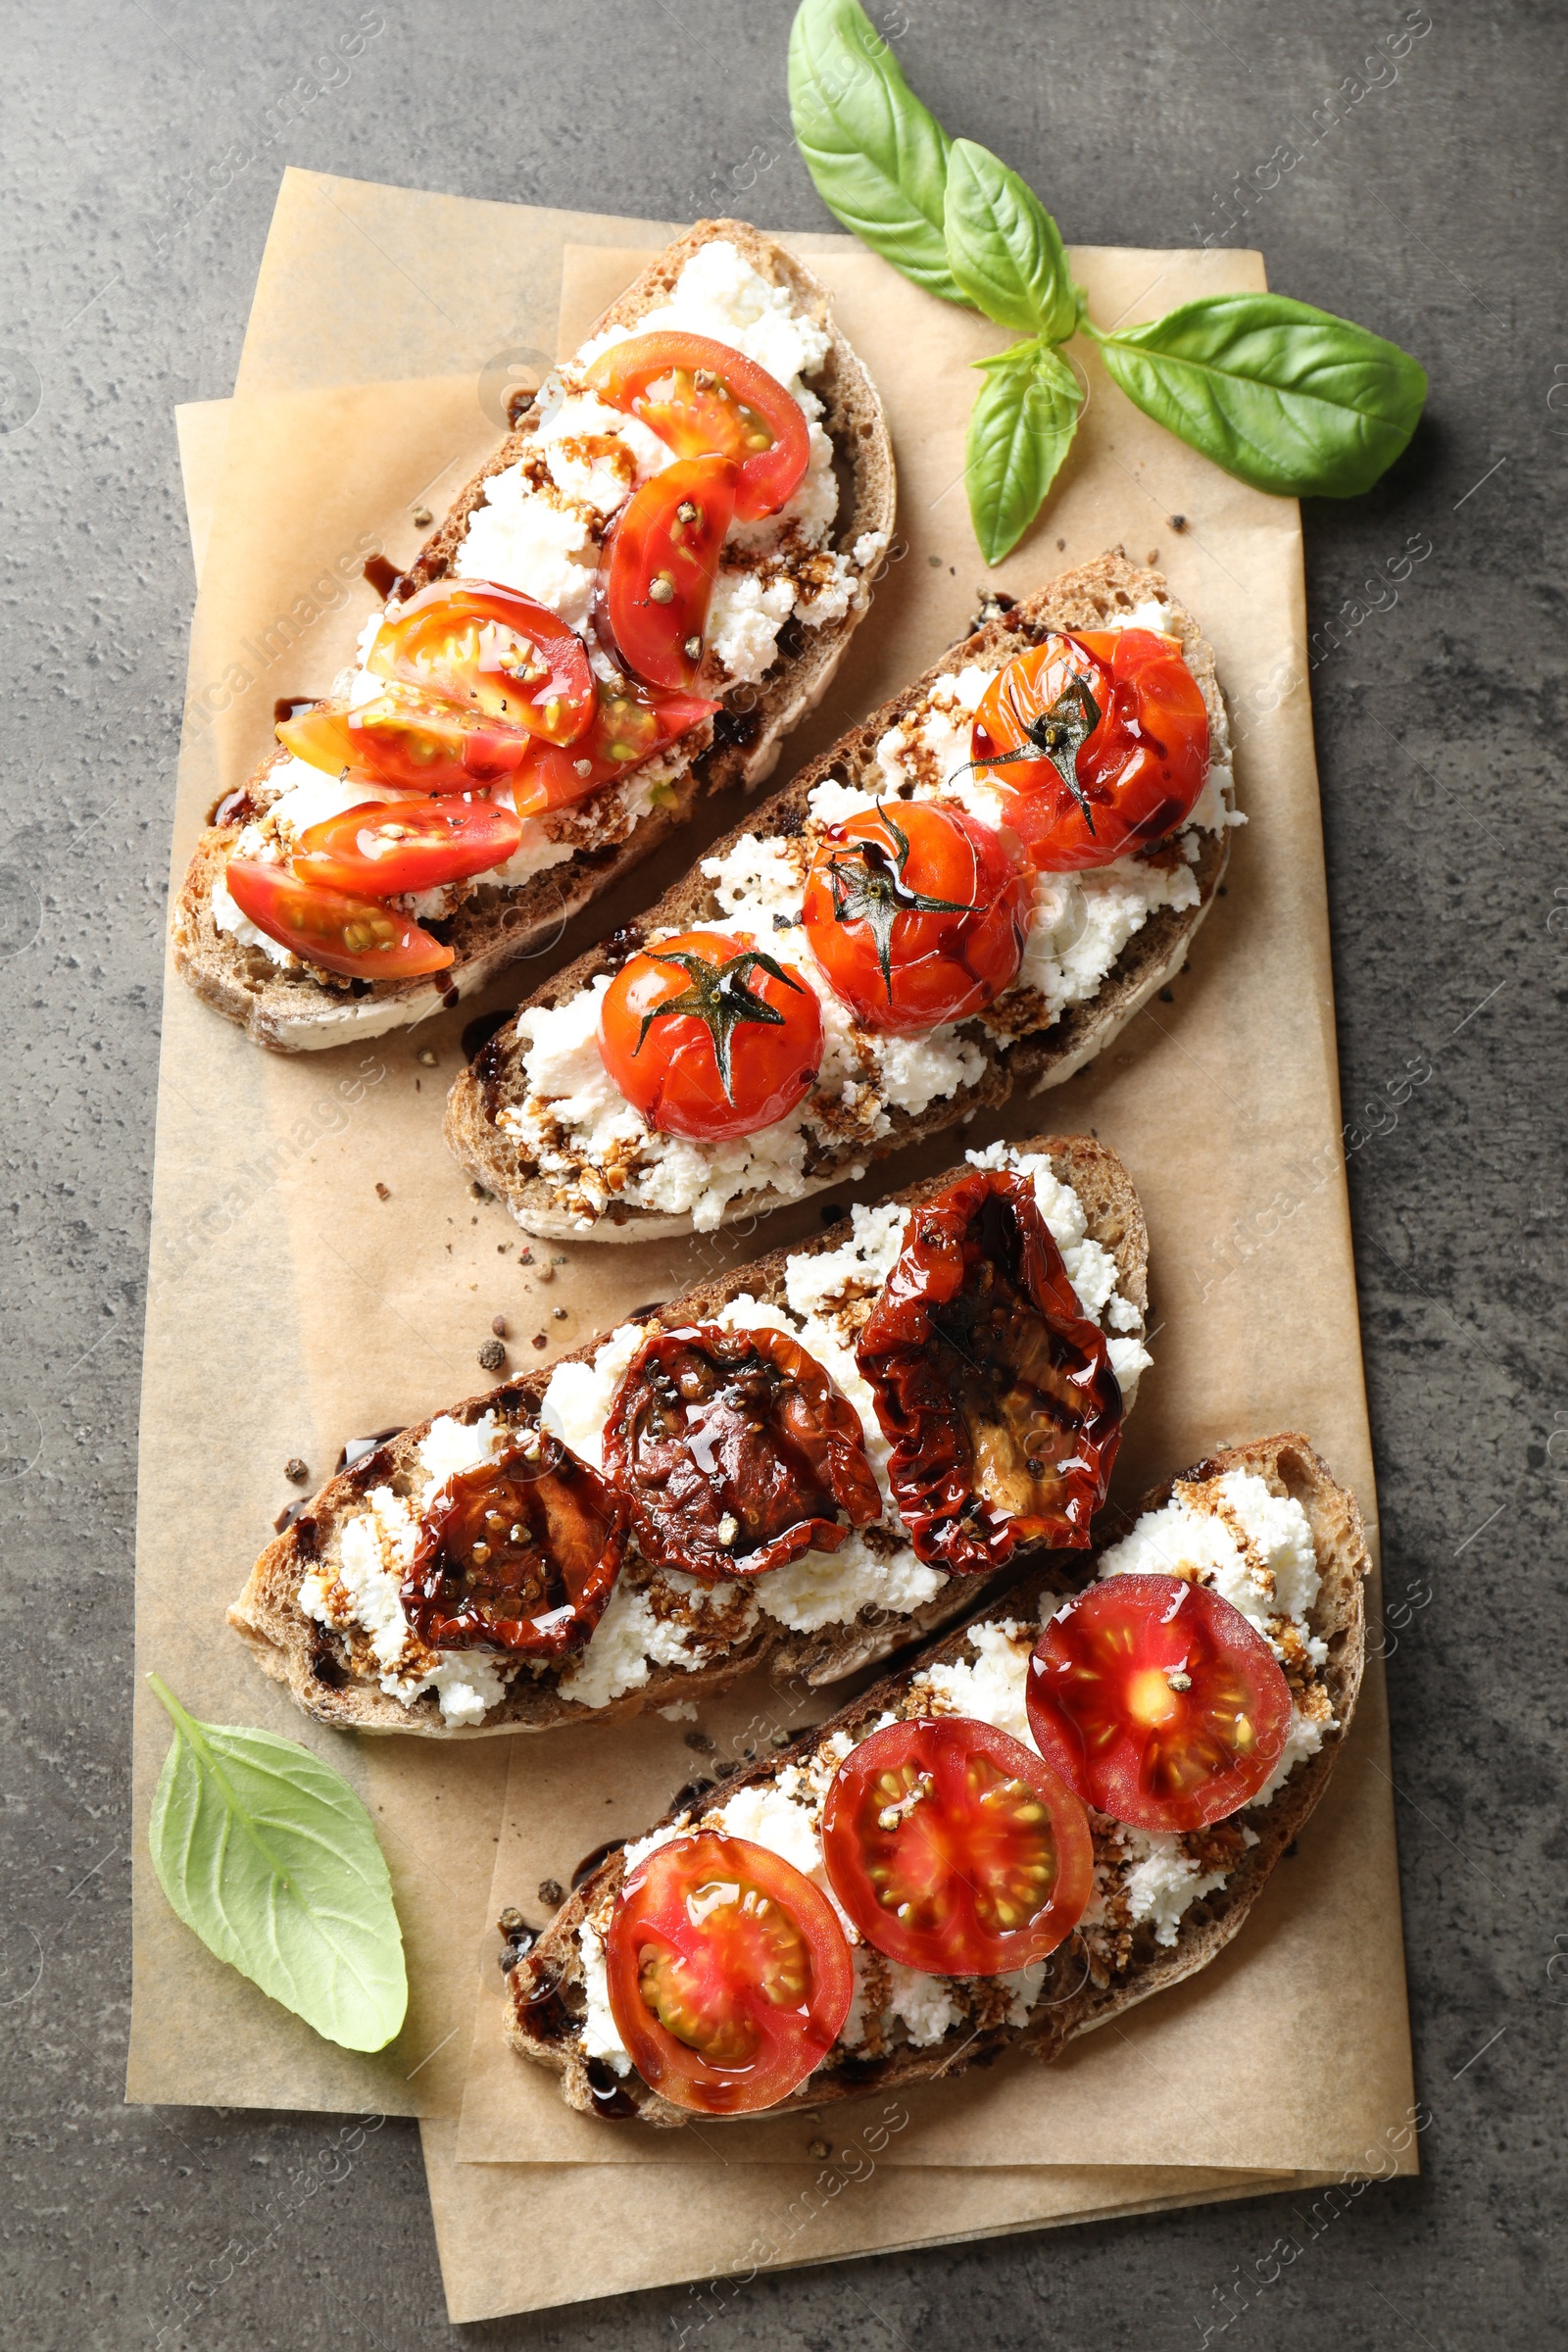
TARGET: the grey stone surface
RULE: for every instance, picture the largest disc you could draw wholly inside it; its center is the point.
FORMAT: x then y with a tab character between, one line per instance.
1431	208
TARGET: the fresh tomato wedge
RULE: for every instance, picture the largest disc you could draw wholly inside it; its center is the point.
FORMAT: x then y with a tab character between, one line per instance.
519	1554
341	933
1157	1701
709	1036
917	912
1115	742
736	1453
410	740
388	847
630	724
708	400
729	1975
954	1849
993	1387
495	649
663	552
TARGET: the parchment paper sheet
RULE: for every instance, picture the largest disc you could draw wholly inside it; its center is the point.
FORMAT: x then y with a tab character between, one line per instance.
518	2238
289	1306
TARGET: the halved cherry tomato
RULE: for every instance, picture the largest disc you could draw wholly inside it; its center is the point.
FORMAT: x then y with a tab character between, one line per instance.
917	912
357	936
411	740
1115	742
629	726
736	1453
1157	1701
517	1554
709	1036
991	1385
706	399
954	1849
729	1975
495	649
388	847
663	552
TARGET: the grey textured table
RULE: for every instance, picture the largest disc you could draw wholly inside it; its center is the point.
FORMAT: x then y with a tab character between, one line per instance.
1431	208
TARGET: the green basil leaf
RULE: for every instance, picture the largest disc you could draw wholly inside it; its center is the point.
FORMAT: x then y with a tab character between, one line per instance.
1289	398
1005	249
1021	427
878	157
271	1857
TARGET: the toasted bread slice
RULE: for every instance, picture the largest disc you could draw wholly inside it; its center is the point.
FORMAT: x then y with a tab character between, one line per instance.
318	1664
297	1010
1097	1972
1030	1057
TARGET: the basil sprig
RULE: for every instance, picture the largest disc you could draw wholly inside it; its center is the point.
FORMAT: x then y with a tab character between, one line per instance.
878	157
268	1854
1285	397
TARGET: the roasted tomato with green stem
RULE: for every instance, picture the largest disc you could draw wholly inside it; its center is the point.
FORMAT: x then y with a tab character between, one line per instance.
517	1554
706	399
707	1037
1098	743
660	561
728	1972
917	913
491	649
954	1849
389	847
1157	1701
992	1385
362	938
414	741
736	1453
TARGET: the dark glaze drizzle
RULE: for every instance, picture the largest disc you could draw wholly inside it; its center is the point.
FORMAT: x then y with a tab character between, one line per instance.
611	2099
590	1862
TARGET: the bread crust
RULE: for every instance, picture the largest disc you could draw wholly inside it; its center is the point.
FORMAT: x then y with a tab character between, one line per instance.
1083	597
1288	1464
291	1011
312	1661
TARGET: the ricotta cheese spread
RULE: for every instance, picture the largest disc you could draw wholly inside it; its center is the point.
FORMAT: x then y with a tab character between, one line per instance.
540	528
578	1129
1230	1532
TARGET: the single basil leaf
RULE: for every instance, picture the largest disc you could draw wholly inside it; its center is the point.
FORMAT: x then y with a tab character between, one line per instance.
878	157
1021	427
1285	397
1005	249
268	1854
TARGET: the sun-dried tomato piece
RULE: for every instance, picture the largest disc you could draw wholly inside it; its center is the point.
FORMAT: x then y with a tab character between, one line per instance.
736	1453
993	1386
519	1554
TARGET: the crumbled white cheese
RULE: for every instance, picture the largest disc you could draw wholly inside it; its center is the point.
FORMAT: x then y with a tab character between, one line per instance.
1255	1547
601	2036
631	1638
863	1261
1162	1880
990	1688
577	1403
744	620
924	2005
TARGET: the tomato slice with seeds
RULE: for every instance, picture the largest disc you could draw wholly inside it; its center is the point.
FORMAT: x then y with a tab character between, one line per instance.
410	740
340	932
1157	1701
729	1975
493	650
519	1554
630	724
1114	734
736	1453
662	557
709	1036
954	1849
917	913
388	847
991	1385
706	399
